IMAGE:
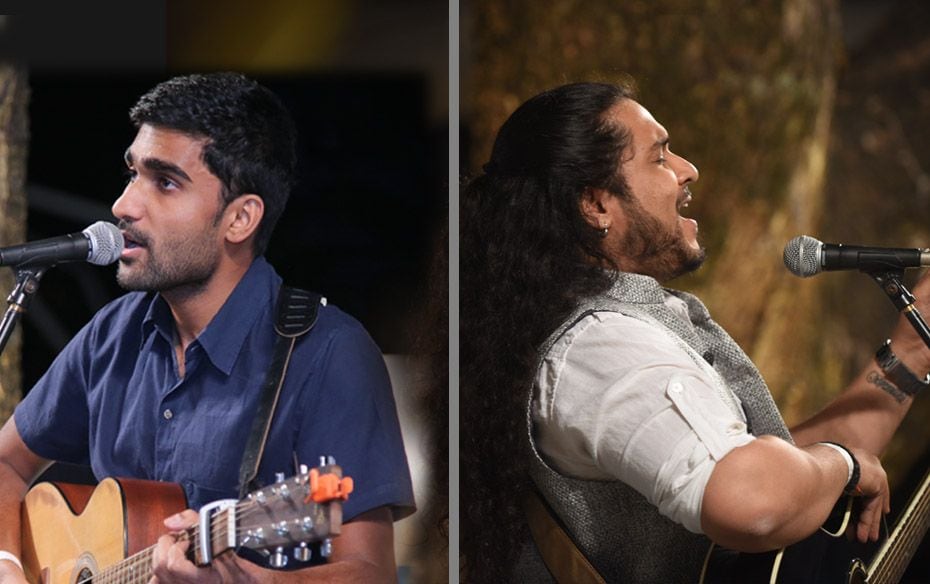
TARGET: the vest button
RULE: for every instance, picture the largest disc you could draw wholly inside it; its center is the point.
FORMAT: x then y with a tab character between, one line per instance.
168	414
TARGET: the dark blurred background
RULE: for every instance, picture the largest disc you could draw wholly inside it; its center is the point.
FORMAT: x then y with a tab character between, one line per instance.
367	84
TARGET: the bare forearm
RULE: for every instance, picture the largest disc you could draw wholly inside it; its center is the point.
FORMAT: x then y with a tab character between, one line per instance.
865	415
11	496
769	494
869	411
345	572
18	468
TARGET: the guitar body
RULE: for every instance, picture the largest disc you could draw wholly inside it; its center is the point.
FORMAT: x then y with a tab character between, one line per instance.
819	559
71	532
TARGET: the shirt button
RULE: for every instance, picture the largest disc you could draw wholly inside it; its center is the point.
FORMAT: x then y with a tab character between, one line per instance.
676	387
167	414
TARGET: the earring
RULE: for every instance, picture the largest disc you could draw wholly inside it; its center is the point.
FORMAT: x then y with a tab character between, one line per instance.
603	231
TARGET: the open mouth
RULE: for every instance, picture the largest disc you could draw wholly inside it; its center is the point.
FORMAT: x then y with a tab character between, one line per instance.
132	241
684	200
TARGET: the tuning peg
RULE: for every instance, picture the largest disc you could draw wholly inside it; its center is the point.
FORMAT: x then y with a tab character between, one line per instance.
279	477
303	553
303	469
326	547
278	559
281	528
307	523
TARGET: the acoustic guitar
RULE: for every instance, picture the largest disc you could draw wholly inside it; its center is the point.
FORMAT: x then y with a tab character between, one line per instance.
77	534
826	557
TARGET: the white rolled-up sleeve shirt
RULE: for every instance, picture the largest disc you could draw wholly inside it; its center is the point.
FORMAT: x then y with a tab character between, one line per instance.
618	398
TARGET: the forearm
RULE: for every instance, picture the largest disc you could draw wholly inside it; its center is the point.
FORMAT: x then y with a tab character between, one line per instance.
869	411
18	468
11	495
769	494
343	572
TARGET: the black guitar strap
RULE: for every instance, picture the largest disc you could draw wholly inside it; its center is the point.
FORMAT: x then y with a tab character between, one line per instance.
295	315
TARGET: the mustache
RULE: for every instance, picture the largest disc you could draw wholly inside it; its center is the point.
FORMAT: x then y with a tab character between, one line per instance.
132	233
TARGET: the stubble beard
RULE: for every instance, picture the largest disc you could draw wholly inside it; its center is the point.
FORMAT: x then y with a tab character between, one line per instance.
177	267
655	250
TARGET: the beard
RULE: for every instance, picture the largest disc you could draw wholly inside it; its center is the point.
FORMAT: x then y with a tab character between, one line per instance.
180	265
655	250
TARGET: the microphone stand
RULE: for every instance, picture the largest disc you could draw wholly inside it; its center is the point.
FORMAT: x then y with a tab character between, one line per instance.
891	284
27	284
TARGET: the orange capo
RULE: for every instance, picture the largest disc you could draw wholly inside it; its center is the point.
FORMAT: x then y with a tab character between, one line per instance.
328	487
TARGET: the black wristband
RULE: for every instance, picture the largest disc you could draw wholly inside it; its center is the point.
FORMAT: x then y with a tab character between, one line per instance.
896	372
852	484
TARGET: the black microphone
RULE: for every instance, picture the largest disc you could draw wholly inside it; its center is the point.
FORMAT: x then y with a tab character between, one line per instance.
806	256
100	244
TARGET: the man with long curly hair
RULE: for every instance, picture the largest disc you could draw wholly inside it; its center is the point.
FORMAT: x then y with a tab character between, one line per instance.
598	401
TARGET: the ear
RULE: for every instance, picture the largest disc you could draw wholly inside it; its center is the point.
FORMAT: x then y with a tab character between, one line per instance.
595	205
244	214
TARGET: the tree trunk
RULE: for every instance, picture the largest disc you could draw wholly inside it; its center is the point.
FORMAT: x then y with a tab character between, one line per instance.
746	92
14	141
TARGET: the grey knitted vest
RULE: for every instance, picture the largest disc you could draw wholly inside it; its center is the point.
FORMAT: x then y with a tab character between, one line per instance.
619	531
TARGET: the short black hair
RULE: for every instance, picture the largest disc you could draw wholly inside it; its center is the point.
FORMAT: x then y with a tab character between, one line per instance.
251	137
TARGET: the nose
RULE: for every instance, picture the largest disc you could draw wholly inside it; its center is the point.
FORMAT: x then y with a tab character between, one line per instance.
686	171
127	207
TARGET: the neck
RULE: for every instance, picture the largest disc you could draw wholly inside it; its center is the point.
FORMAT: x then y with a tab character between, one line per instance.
194	308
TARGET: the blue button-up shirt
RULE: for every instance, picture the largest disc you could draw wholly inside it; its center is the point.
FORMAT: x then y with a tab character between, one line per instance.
113	399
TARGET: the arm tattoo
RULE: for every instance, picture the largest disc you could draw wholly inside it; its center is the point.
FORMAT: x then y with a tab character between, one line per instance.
876	379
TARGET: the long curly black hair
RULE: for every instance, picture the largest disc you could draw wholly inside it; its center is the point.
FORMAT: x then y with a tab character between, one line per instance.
527	257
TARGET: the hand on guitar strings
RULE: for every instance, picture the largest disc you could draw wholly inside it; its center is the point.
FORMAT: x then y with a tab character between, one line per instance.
171	562
873	494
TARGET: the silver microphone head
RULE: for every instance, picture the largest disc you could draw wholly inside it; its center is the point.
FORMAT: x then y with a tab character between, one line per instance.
106	243
803	256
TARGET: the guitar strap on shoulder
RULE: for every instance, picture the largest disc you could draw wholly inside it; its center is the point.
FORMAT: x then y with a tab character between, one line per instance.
295	315
565	561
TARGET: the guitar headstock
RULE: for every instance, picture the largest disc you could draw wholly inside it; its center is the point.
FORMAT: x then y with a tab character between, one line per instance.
291	513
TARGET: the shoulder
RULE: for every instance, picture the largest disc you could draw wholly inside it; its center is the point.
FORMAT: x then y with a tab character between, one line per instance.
124	315
340	351
614	331
126	306
610	350
333	325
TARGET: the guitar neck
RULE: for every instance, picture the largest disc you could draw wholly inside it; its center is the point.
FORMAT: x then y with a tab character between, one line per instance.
137	568
892	558
280	520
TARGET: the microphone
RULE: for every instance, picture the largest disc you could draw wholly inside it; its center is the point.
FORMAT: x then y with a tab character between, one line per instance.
100	244
806	256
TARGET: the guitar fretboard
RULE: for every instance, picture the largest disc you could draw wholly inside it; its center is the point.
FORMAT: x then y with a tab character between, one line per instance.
137	568
892	558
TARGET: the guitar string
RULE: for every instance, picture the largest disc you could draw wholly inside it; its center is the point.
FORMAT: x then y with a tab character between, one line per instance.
143	557
893	568
899	557
130	564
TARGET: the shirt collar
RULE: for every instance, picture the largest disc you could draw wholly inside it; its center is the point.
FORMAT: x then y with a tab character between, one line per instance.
636	288
225	334
642	289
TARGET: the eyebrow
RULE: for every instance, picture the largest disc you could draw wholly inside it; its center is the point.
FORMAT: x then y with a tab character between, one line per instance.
660	143
158	165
